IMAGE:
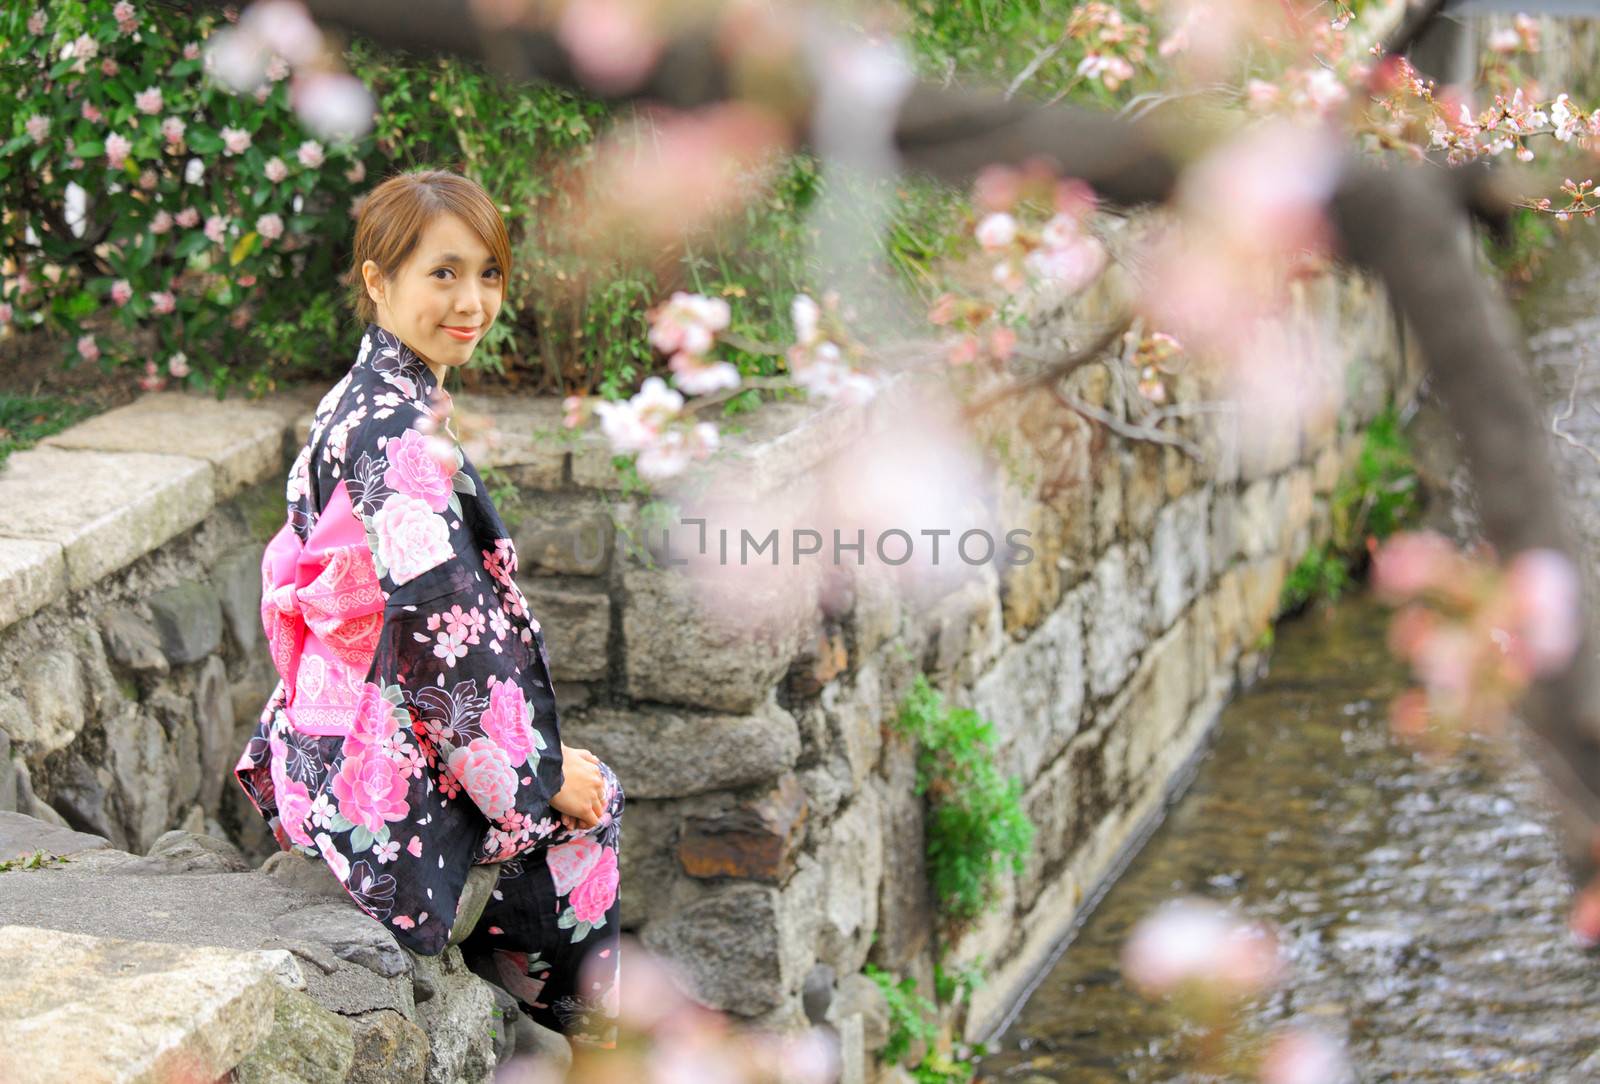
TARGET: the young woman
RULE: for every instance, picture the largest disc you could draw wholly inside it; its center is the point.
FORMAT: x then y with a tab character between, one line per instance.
413	741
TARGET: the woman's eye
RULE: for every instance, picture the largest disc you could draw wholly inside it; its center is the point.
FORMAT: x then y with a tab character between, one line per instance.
495	271
438	269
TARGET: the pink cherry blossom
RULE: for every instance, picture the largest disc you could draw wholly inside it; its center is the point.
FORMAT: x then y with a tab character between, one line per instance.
310	154
172	130
1543	588
91	113
148	101
356	173
216	228
688	322
1412	562
178	365
633	425
1197	942
611	42
121	292
109	67
38	128
696	376
275	170
88	349
1304	1057
277	69
127	16
161	223
148	180
152	380
332	104
188	218
997	231
191	51
6	313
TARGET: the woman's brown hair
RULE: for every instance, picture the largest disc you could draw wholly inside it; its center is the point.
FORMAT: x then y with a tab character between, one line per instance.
396	212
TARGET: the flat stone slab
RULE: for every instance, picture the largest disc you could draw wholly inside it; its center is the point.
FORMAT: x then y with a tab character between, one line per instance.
526	432
105	509
93	1009
21	834
244	443
33	574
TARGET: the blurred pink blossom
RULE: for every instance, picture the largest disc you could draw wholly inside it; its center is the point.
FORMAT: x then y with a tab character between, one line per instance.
332	104
275	170
1412	562
356	173
270	226
90	113
36	23
163	302
695	375
1194	942
188	218
172	129
109	67
38	128
1543	588
127	16
191	51
178	364
612	42
148	101
235	140
310	154
121	292
6	313
161	223
152	380
117	148
88	349
1304	1057
688	322
216	228
997	231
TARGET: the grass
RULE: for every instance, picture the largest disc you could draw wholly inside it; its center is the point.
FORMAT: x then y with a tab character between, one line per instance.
25	420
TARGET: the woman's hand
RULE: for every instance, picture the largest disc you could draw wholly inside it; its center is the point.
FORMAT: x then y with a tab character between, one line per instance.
582	799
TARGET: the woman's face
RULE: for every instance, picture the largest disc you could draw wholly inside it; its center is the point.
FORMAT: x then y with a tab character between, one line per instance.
444	297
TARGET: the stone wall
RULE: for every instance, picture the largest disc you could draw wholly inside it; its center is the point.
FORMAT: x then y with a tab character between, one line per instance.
775	844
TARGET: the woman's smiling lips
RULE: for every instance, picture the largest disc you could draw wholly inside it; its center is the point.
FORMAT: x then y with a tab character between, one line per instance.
464	334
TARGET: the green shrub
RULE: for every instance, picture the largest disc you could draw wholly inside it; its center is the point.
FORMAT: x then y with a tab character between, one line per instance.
975	825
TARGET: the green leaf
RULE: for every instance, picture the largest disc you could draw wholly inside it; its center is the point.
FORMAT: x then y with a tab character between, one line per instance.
360	838
455	504
14	145
94	148
114	90
192	242
203	140
340	823
462	483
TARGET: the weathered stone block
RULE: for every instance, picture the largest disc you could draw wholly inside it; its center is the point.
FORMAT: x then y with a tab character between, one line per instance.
307	1042
1263	505
92	1008
1143	487
851	851
214	722
681	652
237	581
188	618
52	712
577	629
573	541
132	642
33	574
1033	696
1180	555
665	754
756	840
1116	607
123	505
727	947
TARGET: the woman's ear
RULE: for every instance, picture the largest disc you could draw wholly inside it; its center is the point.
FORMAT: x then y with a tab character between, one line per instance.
373	277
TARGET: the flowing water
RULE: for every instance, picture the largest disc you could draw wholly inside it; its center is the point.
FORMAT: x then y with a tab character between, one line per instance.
1421	904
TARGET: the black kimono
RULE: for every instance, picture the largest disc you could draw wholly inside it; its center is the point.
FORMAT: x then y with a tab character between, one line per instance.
414	731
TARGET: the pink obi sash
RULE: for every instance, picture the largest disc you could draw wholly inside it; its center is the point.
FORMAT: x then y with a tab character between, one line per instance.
322	608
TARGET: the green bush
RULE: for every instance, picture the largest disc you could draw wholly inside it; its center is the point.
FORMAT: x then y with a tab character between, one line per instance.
975	825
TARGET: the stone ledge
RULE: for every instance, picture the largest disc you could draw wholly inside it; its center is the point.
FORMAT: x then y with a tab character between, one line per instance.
33	574
243	443
104	509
